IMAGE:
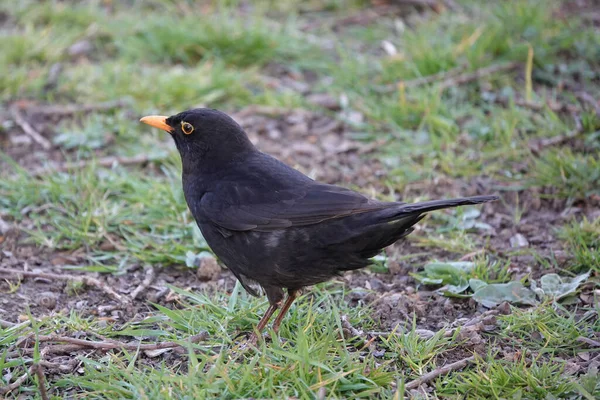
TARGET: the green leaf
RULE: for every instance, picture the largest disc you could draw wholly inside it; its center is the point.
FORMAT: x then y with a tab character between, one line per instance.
452	274
451	267
476	284
459	288
513	292
428	281
558	287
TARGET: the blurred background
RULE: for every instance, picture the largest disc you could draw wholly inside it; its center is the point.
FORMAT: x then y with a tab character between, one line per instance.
400	99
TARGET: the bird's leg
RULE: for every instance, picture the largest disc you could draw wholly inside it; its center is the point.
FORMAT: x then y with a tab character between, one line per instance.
292	295
263	322
275	296
266	317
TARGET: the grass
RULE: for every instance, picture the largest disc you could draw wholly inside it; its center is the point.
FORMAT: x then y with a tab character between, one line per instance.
165	56
583	240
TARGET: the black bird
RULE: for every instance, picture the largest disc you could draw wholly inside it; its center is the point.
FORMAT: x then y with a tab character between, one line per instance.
269	223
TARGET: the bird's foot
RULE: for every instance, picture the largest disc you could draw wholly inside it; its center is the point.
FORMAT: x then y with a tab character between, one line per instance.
251	341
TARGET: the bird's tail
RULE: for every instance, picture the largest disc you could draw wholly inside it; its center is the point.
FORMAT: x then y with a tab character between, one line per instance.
362	236
397	221
433	205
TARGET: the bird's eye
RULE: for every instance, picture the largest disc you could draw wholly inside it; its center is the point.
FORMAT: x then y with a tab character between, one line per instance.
187	128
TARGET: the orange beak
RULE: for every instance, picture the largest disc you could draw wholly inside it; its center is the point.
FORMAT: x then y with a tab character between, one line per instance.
157	121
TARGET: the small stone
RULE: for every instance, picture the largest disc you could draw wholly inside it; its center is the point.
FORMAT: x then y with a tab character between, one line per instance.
156	353
81	48
274	134
448	306
571	368
47	300
354	117
518	240
376	284
81	304
490	320
389	48
324	100
504	308
425	333
20	140
4	226
208	268
102	323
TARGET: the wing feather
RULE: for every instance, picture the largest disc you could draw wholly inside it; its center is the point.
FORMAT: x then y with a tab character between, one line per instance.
244	208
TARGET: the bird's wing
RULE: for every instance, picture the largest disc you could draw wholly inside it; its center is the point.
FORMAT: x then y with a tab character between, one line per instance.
242	208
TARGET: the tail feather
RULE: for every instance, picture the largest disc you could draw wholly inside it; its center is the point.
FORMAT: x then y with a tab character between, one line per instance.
433	205
392	228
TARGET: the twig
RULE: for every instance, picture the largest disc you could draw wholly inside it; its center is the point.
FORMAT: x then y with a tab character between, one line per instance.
18	382
440	76
477	74
588	98
472	255
28	129
554	106
43	363
424	80
86	280
6	324
68	109
62	348
364	342
364	17
353	331
104	162
53	75
39	371
446	369
589	341
475	324
148	278
113	344
537	145
451	78
369	148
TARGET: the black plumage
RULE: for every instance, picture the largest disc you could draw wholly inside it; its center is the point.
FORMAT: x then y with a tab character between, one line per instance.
269	223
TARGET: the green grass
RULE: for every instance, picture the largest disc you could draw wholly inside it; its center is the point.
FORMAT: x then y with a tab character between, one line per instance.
547	329
519	379
583	240
307	358
145	216
166	56
573	176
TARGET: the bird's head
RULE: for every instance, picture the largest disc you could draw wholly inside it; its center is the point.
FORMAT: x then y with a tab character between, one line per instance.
203	136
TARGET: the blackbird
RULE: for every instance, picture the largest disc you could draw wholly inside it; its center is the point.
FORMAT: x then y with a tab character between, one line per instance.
270	224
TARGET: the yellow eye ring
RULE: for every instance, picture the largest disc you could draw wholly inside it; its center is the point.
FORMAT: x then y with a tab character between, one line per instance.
187	128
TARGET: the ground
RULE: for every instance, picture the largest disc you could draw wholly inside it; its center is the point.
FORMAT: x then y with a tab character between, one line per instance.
109	291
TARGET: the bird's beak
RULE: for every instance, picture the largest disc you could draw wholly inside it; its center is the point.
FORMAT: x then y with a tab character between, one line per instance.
157	121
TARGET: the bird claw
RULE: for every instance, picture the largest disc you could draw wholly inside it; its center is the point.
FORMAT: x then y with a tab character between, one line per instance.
251	340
